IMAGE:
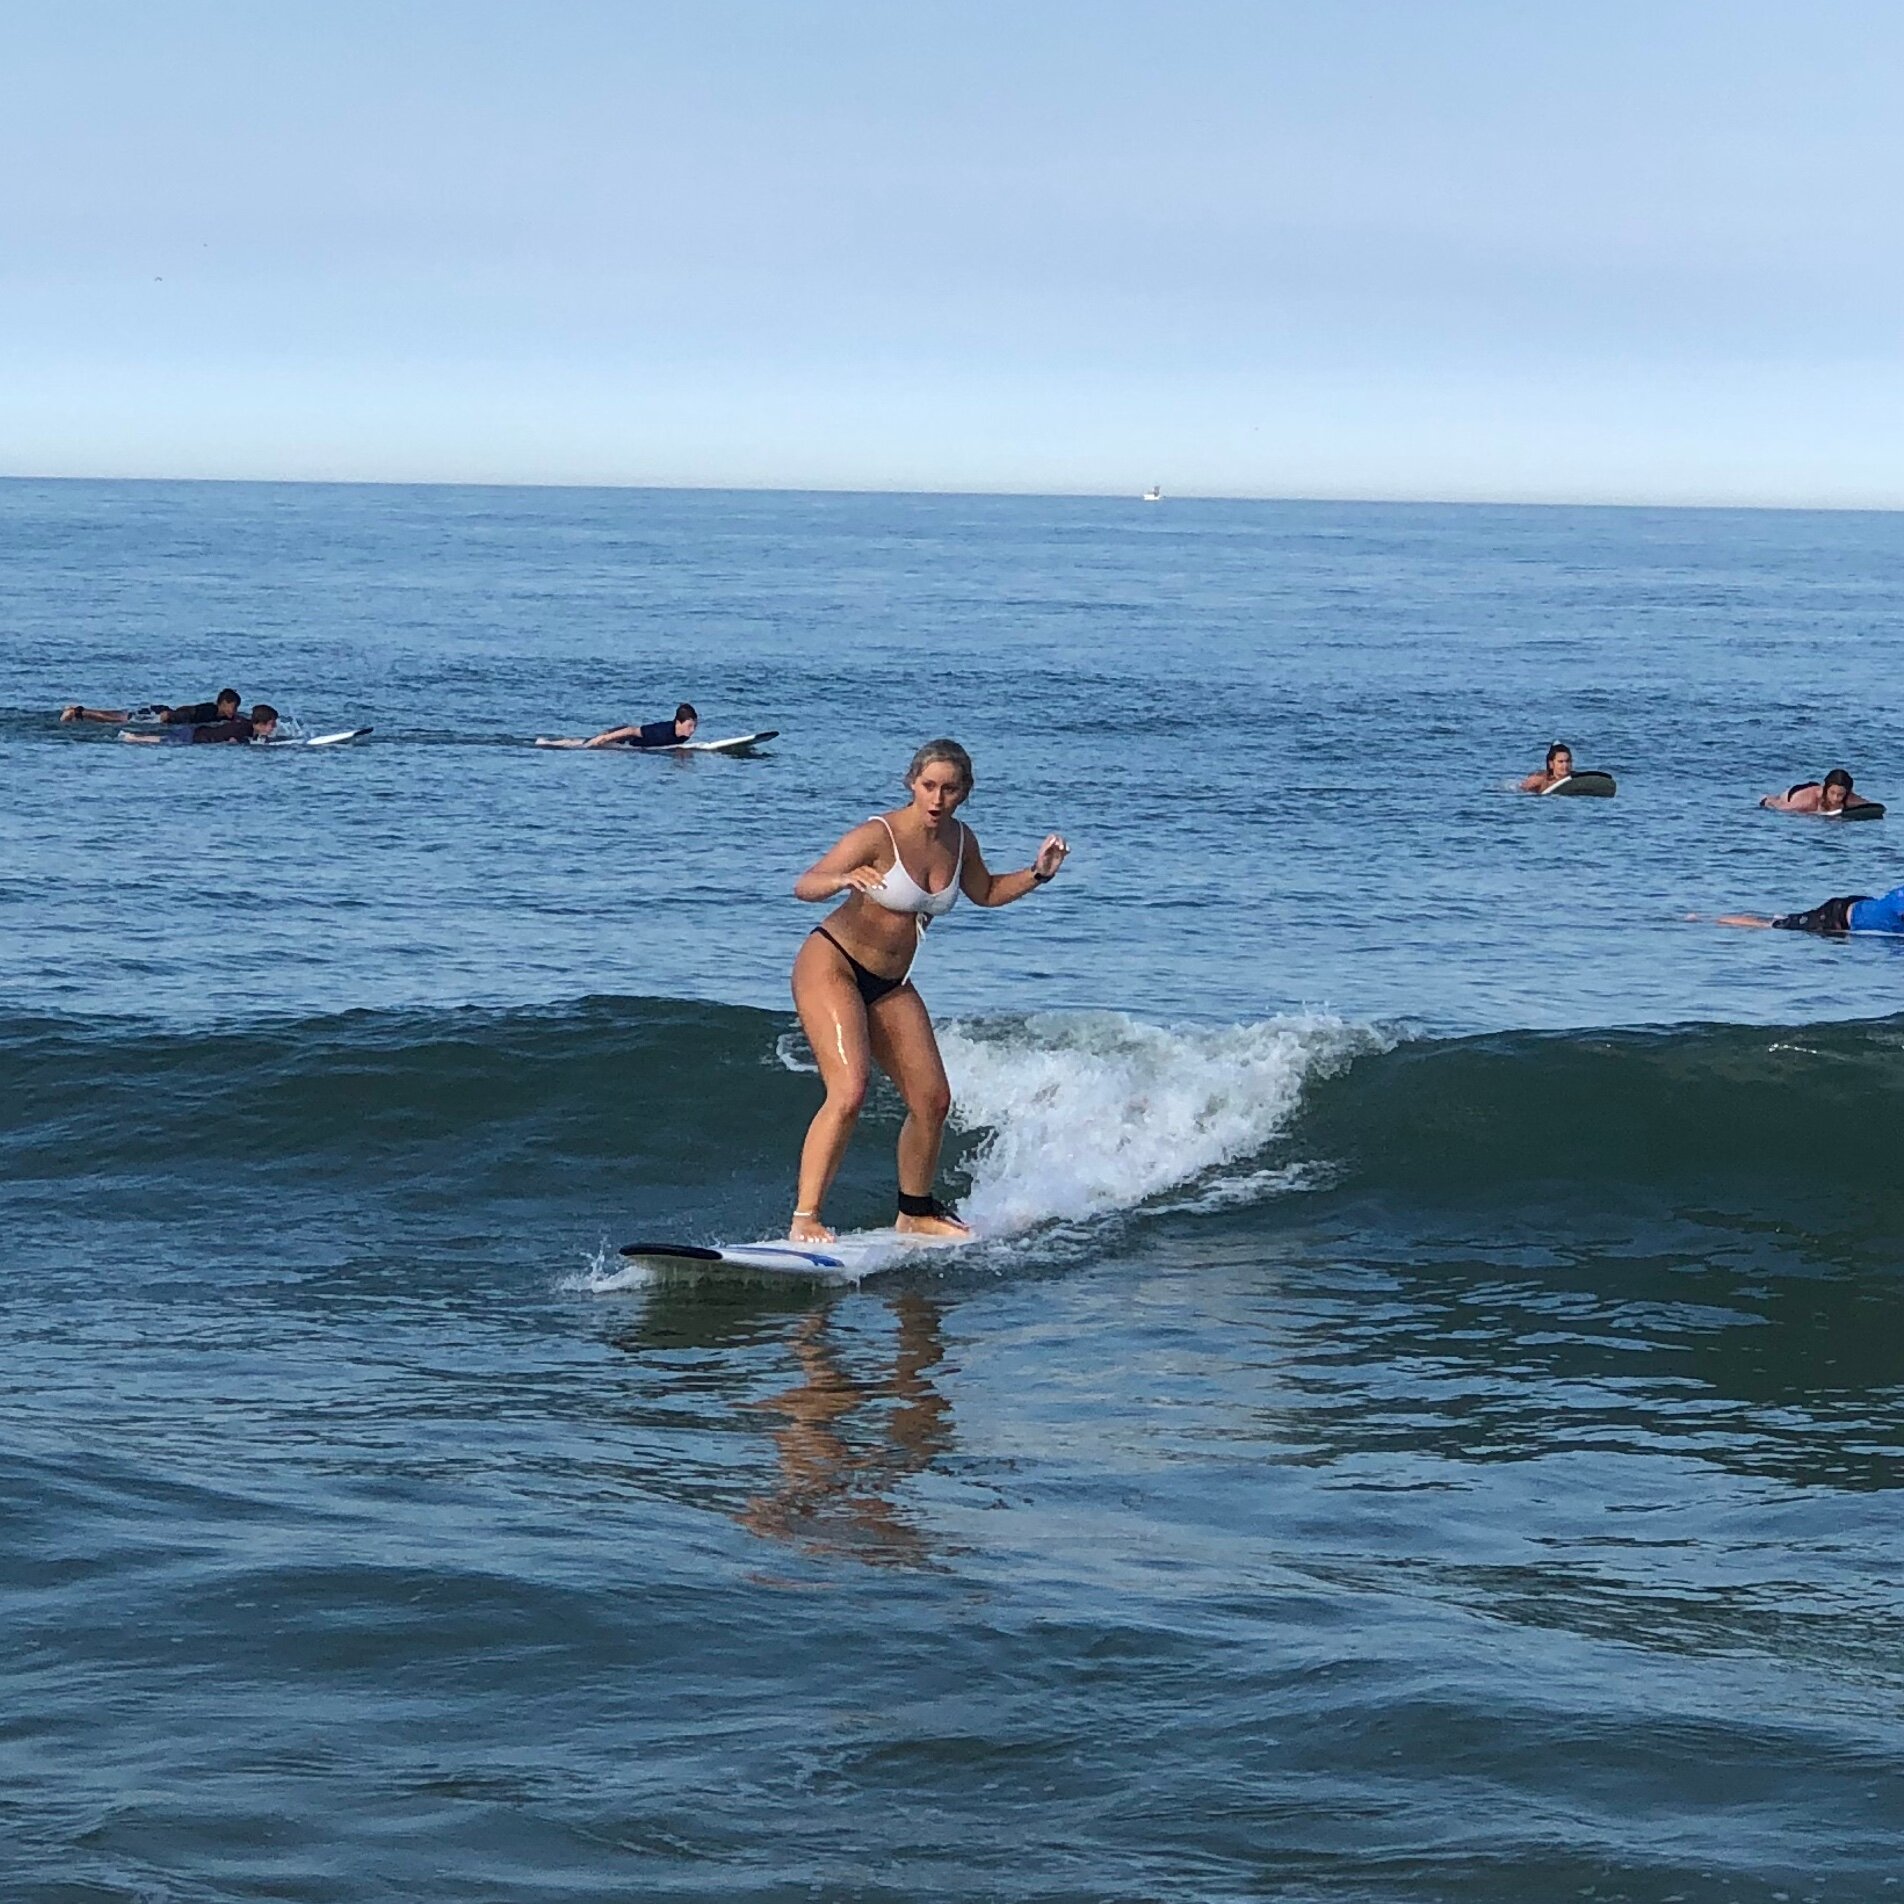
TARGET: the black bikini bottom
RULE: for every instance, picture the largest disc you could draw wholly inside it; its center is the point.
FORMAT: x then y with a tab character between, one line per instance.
870	985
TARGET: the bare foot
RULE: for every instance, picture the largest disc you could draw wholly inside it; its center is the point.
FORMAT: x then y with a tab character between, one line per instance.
947	1225
809	1229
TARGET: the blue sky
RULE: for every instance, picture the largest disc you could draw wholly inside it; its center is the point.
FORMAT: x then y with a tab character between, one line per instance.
1399	248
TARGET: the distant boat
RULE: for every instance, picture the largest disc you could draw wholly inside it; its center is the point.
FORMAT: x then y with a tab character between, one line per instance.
1155	493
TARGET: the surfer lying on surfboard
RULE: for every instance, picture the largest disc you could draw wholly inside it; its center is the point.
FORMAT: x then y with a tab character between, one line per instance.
261	725
195	714
1833	796
899	872
1560	776
1857	912
652	733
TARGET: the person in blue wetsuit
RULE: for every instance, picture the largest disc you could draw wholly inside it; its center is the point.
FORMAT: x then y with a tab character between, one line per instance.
652	733
1857	912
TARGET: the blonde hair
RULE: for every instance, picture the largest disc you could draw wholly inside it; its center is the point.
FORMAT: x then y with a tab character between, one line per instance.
948	751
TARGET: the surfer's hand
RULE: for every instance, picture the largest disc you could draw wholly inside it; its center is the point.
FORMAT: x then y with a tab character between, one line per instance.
1051	856
861	879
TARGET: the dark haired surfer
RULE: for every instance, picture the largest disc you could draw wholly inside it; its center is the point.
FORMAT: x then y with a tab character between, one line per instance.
653	733
1832	795
1858	912
196	714
1559	767
261	726
899	872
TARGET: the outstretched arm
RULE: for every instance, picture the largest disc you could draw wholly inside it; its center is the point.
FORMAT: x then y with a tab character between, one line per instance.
846	867
983	887
1742	919
614	735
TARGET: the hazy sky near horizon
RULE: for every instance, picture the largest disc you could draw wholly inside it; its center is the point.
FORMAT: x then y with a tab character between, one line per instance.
1398	248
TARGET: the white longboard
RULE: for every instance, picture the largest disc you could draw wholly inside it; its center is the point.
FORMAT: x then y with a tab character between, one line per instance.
737	744
319	740
848	1258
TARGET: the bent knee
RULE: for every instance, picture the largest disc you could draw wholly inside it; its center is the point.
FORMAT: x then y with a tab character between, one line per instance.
845	1098
931	1104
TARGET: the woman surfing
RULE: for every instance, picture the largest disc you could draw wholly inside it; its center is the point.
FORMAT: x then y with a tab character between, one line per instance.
899	872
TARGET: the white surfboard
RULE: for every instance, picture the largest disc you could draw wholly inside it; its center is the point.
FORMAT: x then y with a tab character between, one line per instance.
318	740
736	744
739	744
847	1259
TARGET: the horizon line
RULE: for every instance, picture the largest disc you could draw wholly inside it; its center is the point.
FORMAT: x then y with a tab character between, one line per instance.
1347	498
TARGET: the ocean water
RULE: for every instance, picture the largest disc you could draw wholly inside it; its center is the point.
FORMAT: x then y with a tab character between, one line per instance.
1429	1427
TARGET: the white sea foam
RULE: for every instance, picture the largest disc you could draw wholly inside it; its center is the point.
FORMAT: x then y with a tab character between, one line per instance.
603	1272
1086	1113
1233	1192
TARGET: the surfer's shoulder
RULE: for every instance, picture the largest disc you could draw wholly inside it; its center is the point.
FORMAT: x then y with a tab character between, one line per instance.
862	843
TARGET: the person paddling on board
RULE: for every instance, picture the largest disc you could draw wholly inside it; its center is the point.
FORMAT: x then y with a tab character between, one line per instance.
194	714
899	872
1857	912
1834	794
261	725
1559	767
654	733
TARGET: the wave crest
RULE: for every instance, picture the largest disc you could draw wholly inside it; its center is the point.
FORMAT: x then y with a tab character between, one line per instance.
1083	1113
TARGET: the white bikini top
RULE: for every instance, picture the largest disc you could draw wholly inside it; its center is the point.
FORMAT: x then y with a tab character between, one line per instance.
900	892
